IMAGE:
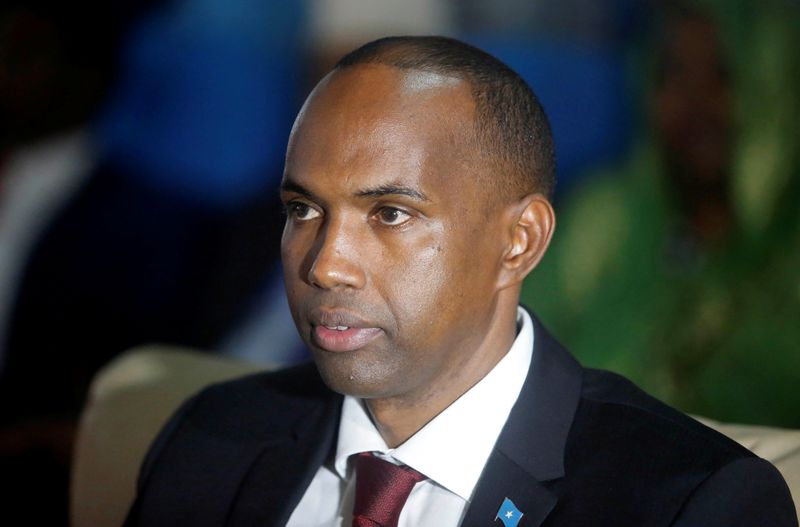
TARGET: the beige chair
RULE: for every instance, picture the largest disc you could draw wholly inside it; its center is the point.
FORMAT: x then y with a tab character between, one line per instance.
129	401
134	395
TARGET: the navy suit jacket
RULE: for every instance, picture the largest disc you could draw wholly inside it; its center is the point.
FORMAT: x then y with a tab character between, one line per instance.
580	448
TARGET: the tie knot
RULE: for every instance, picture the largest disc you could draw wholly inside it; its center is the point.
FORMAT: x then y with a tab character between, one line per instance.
382	489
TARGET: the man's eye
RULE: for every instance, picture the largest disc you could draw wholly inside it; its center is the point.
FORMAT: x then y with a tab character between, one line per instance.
301	211
392	216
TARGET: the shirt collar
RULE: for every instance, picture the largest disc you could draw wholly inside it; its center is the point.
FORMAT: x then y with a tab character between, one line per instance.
454	446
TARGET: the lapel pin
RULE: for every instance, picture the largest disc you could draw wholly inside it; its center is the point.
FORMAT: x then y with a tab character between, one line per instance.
508	513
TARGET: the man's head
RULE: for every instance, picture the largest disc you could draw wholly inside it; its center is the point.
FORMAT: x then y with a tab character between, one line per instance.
415	184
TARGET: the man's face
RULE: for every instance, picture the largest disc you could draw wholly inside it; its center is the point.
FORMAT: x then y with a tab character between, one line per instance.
390	252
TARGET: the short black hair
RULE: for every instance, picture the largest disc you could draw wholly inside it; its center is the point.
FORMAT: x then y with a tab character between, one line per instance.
511	125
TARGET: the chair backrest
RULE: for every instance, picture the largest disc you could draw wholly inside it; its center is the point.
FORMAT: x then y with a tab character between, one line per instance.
779	446
129	401
132	398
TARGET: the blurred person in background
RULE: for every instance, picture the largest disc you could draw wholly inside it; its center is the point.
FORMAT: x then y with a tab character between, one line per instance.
56	63
137	155
678	267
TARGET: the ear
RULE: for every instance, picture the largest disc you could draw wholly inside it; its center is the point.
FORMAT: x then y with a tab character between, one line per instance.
531	222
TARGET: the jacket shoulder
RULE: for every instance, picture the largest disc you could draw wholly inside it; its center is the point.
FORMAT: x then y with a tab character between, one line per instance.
244	410
633	460
265	400
210	444
628	409
301	381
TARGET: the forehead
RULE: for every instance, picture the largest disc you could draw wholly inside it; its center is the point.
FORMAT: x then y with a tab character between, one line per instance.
377	122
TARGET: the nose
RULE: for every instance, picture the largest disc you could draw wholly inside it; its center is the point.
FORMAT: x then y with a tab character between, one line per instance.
337	262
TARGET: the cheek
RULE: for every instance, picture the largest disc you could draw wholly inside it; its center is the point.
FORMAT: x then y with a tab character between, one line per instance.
417	289
450	284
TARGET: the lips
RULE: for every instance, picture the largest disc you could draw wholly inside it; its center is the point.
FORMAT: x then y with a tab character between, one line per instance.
341	331
339	340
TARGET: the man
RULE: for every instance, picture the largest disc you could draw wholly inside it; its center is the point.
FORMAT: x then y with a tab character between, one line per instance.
416	185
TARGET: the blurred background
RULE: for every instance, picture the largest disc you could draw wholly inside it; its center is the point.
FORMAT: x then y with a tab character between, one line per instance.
141	144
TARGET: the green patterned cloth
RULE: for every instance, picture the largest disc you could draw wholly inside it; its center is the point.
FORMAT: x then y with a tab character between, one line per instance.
715	332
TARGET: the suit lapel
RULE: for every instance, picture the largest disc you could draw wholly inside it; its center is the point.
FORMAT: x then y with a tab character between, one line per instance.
530	450
501	479
286	462
282	470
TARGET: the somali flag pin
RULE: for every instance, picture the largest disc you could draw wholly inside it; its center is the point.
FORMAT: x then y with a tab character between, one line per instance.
508	513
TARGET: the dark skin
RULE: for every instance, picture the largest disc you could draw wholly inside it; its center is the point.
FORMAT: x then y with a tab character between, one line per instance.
402	274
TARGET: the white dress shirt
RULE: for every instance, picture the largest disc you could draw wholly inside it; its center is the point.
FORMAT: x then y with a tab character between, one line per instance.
451	449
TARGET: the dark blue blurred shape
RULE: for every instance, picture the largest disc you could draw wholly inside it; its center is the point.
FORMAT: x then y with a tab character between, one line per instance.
204	104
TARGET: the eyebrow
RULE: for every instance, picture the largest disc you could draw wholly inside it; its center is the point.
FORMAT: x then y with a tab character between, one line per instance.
391	189
288	185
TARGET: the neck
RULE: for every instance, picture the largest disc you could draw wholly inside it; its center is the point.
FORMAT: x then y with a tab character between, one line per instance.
399	418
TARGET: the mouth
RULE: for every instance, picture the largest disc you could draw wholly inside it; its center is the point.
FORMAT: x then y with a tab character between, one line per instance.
337	331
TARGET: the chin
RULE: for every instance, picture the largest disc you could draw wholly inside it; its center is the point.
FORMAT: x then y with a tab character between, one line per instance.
355	377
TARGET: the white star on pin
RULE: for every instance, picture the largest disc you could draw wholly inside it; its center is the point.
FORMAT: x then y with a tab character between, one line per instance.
509	514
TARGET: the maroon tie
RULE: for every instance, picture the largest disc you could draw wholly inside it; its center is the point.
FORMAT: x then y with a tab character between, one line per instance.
382	489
